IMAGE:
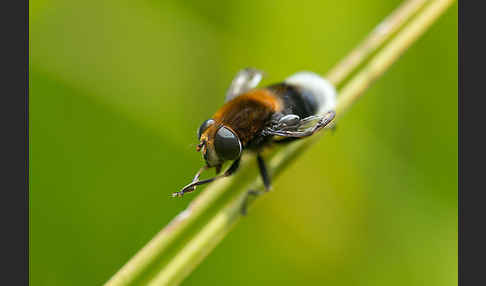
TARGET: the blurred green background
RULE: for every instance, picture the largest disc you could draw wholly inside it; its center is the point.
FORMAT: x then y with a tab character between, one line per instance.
118	90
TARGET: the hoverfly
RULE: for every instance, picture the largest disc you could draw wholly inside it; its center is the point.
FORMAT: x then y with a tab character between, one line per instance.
253	118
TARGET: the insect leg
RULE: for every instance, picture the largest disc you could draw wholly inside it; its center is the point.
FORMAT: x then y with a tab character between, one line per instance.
244	205
264	172
198	174
232	168
192	186
266	182
196	177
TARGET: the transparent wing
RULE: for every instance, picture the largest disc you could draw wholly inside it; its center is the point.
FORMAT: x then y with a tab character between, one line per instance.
303	128
245	80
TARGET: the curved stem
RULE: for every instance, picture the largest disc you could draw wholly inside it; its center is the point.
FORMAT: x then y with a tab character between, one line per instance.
380	34
177	249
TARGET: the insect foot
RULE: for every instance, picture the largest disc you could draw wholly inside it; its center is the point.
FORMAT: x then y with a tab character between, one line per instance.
177	194
244	205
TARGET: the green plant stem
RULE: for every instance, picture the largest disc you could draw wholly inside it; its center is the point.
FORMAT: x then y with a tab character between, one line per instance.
177	249
390	53
375	39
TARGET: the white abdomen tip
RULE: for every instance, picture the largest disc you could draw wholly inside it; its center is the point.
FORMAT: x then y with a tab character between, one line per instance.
322	89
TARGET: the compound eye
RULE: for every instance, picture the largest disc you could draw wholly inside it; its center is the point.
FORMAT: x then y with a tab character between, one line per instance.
203	127
227	144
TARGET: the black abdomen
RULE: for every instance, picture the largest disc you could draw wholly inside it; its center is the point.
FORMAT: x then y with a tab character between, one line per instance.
296	101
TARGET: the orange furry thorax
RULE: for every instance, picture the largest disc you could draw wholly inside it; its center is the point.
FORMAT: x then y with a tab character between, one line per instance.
246	114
